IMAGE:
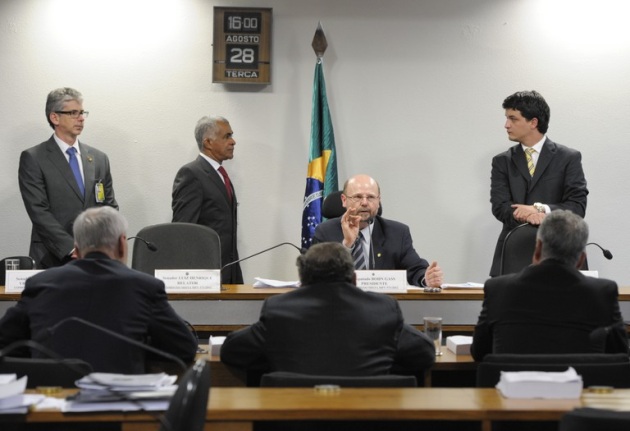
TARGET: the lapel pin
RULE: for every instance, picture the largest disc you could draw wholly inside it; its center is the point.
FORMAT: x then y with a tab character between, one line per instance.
90	159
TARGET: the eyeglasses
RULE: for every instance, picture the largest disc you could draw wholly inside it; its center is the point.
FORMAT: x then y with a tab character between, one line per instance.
358	198
74	114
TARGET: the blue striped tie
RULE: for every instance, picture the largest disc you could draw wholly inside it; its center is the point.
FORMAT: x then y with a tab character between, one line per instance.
357	253
74	165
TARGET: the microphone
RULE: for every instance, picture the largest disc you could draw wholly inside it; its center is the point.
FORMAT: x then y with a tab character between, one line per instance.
370	222
118	336
301	250
149	244
607	254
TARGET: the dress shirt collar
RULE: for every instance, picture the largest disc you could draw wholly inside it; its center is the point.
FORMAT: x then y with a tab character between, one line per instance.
64	147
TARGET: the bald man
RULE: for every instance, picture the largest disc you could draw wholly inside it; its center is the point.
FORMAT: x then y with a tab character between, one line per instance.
386	244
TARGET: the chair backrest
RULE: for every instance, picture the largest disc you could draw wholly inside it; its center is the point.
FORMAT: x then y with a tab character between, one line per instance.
282	379
518	248
187	409
179	246
45	371
26	262
596	369
589	419
333	207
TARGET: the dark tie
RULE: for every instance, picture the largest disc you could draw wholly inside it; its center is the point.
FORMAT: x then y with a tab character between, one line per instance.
228	183
74	165
357	253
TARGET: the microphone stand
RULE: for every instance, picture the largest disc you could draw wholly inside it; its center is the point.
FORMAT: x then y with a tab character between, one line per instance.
149	244
260	252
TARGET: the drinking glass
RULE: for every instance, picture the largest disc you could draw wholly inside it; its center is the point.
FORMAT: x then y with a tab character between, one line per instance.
433	330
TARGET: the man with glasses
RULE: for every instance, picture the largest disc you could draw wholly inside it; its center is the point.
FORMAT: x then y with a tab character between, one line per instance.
60	178
375	242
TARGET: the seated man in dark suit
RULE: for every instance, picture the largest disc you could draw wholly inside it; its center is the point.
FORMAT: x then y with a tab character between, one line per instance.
380	243
550	306
328	326
100	288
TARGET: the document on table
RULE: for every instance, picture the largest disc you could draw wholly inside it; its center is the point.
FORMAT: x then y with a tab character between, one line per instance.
467	285
265	282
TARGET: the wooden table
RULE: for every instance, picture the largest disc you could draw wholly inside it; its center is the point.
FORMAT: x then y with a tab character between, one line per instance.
238	408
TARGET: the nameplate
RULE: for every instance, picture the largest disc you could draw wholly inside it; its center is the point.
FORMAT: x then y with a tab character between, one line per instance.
16	279
190	280
382	281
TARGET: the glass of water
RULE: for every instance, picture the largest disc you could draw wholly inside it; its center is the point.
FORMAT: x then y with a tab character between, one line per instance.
433	330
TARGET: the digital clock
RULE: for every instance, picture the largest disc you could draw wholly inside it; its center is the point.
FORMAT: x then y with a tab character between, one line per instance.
242	45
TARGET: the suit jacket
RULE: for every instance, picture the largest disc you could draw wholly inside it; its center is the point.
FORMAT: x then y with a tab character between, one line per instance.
547	308
53	200
107	293
558	181
392	246
330	329
200	196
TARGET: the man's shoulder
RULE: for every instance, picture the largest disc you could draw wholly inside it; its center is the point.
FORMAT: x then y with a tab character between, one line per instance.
41	147
88	149
560	149
392	225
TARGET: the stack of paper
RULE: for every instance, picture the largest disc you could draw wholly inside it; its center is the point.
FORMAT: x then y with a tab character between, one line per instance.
540	384
126	392
215	345
459	344
13	400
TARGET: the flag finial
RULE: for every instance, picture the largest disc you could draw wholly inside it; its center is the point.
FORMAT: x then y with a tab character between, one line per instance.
319	42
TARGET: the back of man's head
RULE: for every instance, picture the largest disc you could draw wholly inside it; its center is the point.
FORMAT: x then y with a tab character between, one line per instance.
326	262
100	229
563	236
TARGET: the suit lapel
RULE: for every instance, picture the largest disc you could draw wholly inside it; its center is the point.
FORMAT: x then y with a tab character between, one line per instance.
378	243
518	158
546	155
215	178
89	175
58	159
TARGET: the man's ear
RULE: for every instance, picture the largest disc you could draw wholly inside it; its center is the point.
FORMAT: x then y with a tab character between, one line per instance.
122	247
581	260
537	257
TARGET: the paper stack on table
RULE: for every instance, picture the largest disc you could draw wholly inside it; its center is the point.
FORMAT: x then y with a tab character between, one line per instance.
540	384
13	400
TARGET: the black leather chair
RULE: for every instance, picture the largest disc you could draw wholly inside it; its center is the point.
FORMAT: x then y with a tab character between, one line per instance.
589	419
332	206
188	407
518	248
283	379
26	262
596	369
179	246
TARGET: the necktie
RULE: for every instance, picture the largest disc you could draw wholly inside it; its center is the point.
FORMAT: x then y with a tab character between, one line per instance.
74	165
228	183
357	253
530	160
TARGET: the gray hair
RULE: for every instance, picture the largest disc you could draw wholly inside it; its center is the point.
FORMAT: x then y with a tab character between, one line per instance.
98	228
326	262
207	126
57	99
563	235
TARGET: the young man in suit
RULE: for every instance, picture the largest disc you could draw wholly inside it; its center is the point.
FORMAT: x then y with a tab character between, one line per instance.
60	178
328	326
550	306
383	243
204	194
99	287
535	176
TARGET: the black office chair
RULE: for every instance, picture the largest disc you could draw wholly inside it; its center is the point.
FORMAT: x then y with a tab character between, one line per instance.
283	379
589	419
518	248
179	246
45	371
596	369
26	262
333	207
187	409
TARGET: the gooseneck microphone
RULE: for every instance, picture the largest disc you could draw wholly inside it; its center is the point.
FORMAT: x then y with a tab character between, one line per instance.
149	244
607	254
301	250
371	260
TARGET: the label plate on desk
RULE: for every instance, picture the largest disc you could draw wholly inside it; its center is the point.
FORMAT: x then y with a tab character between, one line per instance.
190	280
15	279
382	281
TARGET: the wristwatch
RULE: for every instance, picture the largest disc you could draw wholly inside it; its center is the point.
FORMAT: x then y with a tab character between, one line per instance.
539	207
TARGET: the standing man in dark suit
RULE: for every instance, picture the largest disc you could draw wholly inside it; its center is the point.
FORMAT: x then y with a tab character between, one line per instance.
384	244
536	176
204	194
550	306
328	326
60	178
100	288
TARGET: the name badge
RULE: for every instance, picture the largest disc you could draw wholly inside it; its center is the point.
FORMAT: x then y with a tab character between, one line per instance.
99	192
16	279
382	281
190	280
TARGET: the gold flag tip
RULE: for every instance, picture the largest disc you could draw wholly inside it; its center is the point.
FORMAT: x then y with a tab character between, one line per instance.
319	41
